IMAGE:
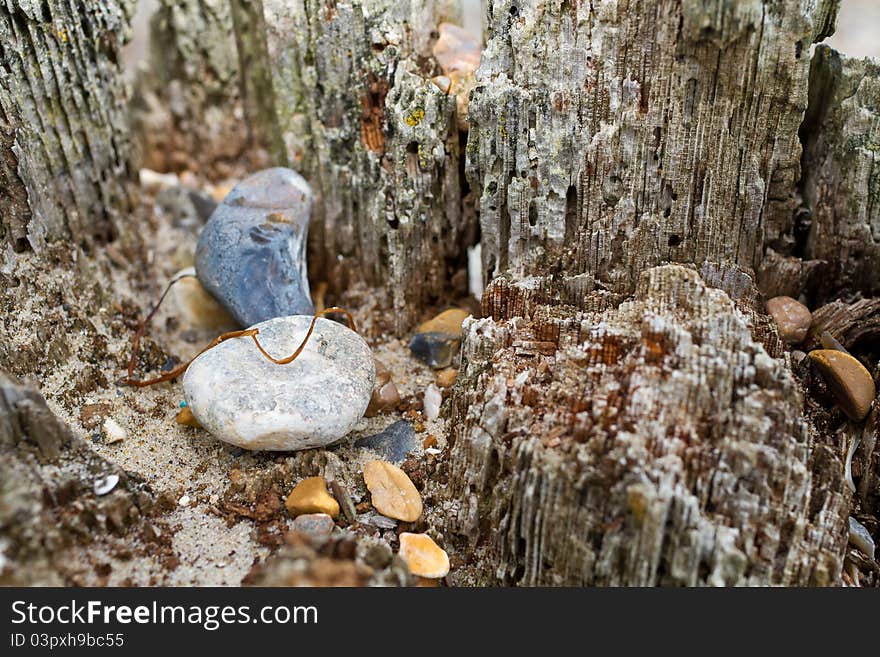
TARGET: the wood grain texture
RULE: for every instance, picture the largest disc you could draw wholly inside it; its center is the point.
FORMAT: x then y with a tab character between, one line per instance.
187	110
377	140
841	182
46	498
642	441
608	137
66	158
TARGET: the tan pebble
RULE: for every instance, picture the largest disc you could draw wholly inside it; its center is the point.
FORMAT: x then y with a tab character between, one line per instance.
456	49
447	322
196	306
423	556
220	192
186	417
446	378
848	379
311	496
393	493
384	398
792	318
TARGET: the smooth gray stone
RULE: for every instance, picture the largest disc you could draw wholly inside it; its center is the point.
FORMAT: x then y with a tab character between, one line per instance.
860	538
435	349
244	399
394	443
318	525
251	255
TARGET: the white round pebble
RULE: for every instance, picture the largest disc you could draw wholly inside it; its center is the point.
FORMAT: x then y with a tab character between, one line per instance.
184	500
244	399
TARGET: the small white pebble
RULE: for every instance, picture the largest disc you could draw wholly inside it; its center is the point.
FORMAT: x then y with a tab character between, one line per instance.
475	271
114	431
104	485
153	181
184	501
214	499
433	451
433	399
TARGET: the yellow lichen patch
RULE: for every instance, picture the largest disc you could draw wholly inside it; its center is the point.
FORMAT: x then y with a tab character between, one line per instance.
311	496
415	117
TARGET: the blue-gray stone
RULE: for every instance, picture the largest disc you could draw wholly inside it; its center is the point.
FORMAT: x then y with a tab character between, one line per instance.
251	255
394	443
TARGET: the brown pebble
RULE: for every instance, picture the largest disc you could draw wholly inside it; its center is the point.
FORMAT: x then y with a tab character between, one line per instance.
384	399
385	395
446	378
427	582
186	417
393	493
848	379
91	415
792	318
423	556
311	496
430	441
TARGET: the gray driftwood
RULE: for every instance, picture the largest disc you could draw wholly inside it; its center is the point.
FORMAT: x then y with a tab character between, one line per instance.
47	501
617	420
65	157
607	138
598	439
645	441
187	108
361	119
841	183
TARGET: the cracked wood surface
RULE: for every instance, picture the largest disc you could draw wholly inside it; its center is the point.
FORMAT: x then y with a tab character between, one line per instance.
841	182
645	441
379	143
64	147
608	137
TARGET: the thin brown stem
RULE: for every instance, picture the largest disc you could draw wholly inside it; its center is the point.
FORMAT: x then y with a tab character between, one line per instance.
252	333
